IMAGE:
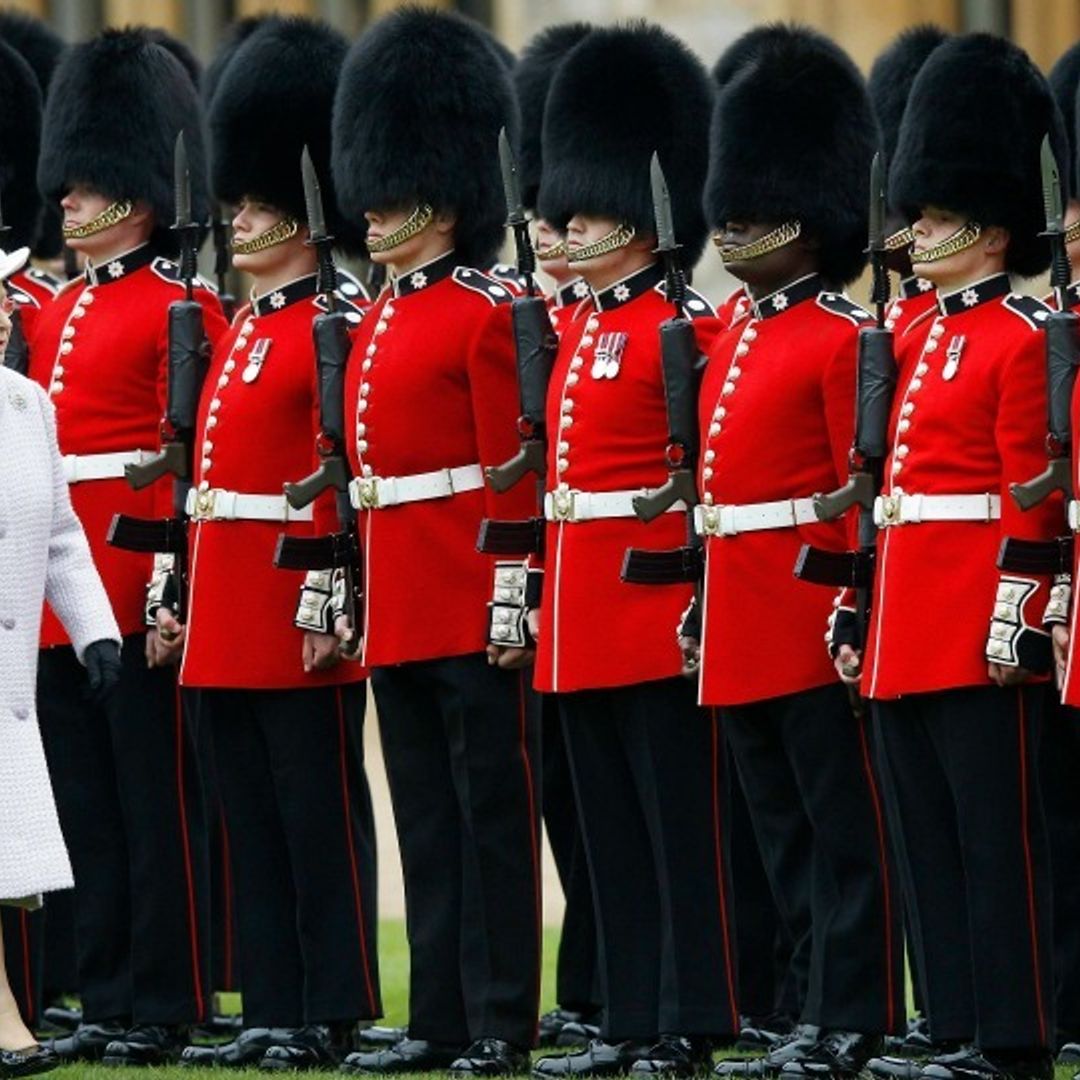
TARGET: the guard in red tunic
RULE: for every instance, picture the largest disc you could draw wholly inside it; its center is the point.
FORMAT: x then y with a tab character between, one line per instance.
644	759
431	398
958	711
123	770
286	730
776	410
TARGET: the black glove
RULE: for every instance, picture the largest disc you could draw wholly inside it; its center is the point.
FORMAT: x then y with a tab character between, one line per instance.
102	659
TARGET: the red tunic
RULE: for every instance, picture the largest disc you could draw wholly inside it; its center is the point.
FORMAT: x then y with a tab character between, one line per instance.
31	289
564	301
969	418
777	411
916	297
431	385
257	428
735	307
608	431
101	350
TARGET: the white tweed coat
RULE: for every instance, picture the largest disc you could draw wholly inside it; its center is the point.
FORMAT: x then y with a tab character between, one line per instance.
43	553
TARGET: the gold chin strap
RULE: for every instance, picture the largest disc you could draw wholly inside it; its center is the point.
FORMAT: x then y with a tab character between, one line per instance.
964	237
777	238
1073	232
619	237
548	254
902	238
415	223
284	230
110	216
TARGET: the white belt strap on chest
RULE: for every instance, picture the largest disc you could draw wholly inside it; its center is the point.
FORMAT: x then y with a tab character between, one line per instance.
217	504
81	467
730	520
573	506
892	510
381	492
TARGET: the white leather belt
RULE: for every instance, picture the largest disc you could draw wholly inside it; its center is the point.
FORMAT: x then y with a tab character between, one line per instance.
380	492
575	506
217	504
911	509
753	517
1074	515
80	467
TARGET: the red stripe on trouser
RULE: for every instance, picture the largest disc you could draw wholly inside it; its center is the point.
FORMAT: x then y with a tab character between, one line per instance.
530	792
879	822
1025	834
185	837
361	924
28	981
718	844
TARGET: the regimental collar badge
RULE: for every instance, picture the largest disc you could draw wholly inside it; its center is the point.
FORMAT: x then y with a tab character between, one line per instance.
421	277
913	286
776	303
120	267
990	288
629	288
279	299
571	294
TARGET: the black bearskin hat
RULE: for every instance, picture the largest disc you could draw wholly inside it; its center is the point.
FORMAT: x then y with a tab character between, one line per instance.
1064	79
116	105
891	76
792	139
744	49
419	105
504	53
235	35
969	142
188	60
621	94
272	100
41	48
20	139
532	80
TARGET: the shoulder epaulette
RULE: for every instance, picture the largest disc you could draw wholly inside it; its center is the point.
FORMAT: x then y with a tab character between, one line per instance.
44	279
1032	310
839	304
478	282
351	288
20	298
169	271
353	312
697	307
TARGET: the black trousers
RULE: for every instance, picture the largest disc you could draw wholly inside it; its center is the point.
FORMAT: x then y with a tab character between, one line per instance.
651	792
24	959
771	973
1059	766
806	768
126	782
967	794
462	747
291	776
577	981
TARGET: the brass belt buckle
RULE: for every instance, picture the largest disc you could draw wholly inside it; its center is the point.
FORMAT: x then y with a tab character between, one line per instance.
368	489
204	504
710	521
562	505
890	510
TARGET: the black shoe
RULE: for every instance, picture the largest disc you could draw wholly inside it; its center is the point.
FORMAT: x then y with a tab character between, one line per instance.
552	1024
838	1055
492	1057
599	1058
894	1067
62	1016
409	1056
28	1062
87	1042
763	1033
577	1034
792	1047
314	1046
147	1044
376	1036
245	1050
675	1055
1069	1054
971	1064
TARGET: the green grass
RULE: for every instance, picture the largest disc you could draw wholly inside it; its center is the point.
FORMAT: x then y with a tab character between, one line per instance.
394	972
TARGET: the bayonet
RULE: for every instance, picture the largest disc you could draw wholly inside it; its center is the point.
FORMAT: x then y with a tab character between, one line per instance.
877	246
319	235
184	226
666	245
516	218
1054	208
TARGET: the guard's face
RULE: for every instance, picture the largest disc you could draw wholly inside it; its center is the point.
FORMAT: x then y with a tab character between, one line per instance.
433	240
547	236
934	226
583	230
81	205
252	219
1072	216
766	272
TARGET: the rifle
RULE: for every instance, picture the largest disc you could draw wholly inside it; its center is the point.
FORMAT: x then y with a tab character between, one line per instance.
682	364
188	361
1062	356
220	229
535	346
330	331
876	382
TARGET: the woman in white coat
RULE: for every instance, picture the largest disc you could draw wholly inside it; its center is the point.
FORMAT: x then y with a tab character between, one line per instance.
43	555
